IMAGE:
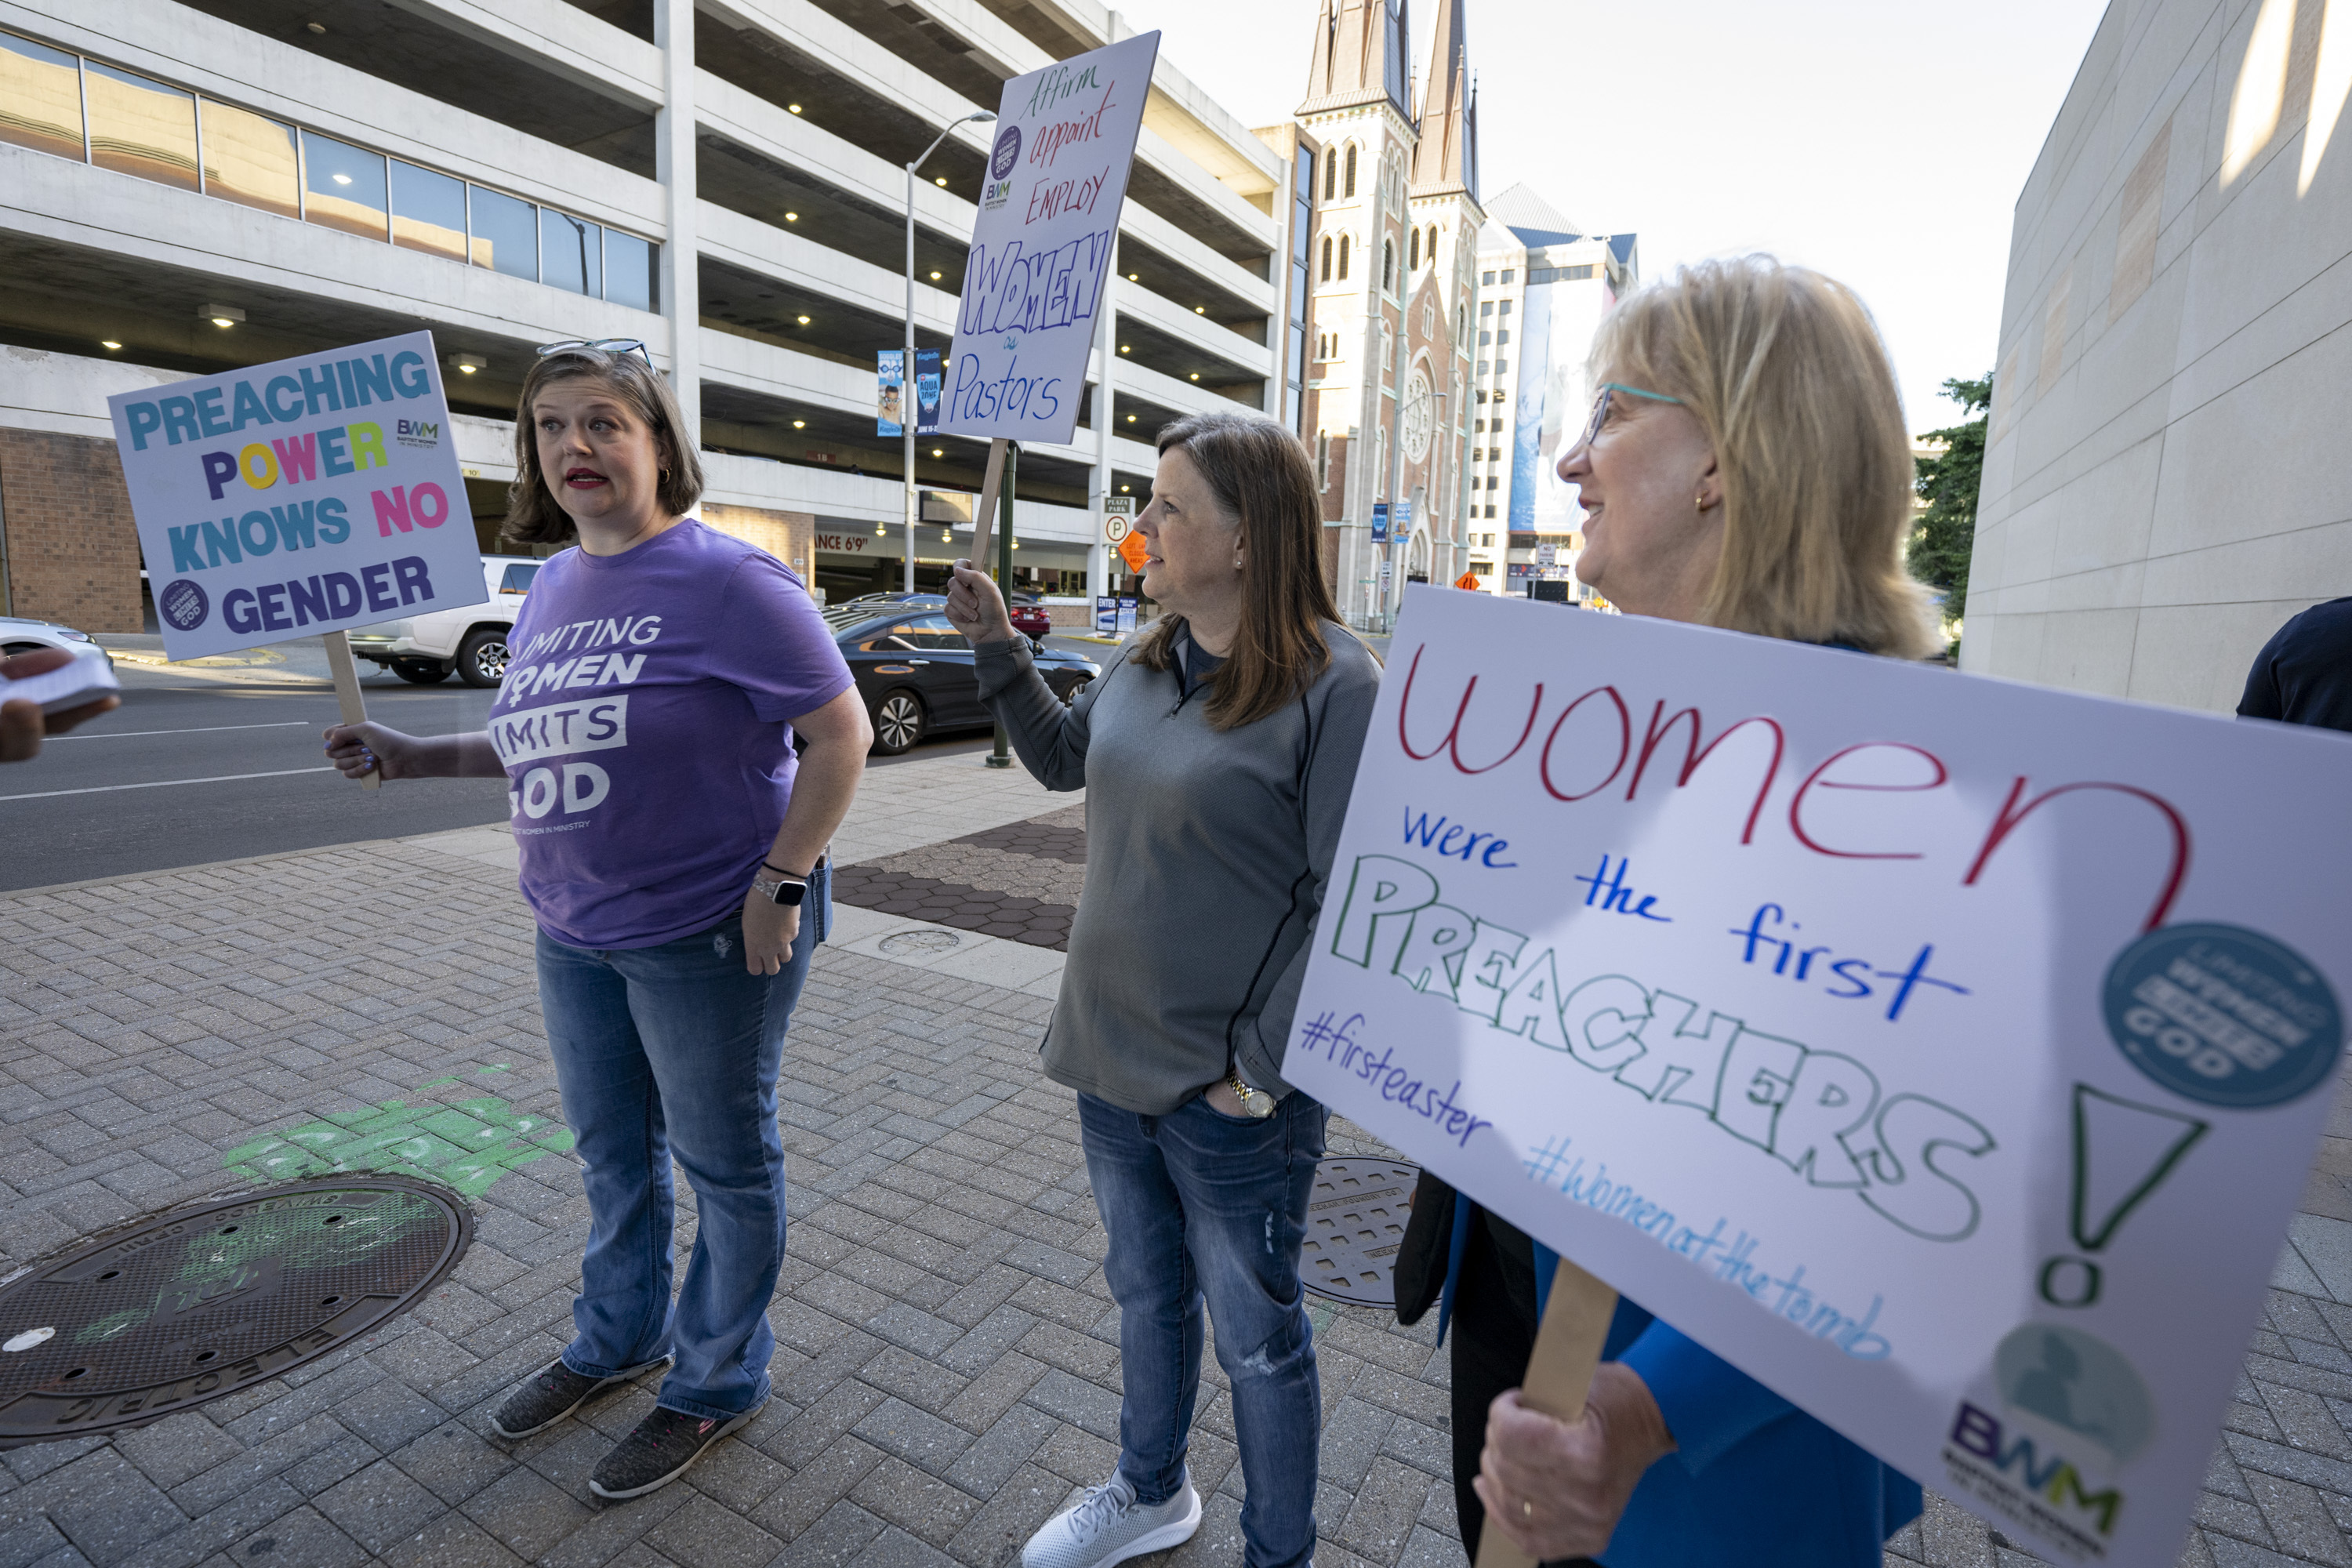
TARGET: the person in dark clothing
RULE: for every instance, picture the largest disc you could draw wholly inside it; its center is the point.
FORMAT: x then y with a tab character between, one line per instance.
2303	674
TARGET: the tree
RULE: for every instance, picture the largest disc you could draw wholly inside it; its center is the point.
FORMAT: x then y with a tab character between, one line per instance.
1946	535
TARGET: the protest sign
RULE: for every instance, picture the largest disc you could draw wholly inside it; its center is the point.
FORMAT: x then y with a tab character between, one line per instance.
304	496
1947	1055
1041	245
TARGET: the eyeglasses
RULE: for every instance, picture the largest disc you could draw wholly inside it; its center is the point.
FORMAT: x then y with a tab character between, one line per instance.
1600	406
609	345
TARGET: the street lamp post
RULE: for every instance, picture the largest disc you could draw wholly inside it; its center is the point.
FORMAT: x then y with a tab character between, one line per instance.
907	403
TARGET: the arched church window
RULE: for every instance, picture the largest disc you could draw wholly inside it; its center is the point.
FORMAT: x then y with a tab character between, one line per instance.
1330	172
1413	254
1388	264
1326	258
1343	259
1351	181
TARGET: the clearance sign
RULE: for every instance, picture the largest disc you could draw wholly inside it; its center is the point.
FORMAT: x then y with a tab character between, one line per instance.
1946	1054
305	496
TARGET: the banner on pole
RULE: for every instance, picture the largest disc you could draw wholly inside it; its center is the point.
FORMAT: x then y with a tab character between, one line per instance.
890	391
1041	243
1947	1053
307	494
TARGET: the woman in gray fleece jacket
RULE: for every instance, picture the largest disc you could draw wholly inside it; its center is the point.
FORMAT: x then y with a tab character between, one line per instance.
1218	750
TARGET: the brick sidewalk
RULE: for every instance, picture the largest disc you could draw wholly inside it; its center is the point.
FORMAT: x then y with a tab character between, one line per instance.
947	1371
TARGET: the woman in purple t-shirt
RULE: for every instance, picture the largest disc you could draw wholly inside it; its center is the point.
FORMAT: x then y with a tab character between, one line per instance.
673	852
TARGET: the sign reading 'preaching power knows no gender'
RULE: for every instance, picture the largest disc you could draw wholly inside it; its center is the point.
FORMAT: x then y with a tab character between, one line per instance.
1042	244
1946	1054
304	496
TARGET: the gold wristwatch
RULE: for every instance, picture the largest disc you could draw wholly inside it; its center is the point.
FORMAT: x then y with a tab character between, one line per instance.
1256	1102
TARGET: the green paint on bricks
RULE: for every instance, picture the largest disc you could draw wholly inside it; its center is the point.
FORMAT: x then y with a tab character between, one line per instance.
467	1146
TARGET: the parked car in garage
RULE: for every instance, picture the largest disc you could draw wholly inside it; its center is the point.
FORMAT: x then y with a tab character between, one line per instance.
914	669
471	639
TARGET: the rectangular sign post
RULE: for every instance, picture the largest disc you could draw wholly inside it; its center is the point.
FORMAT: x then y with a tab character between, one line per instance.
1947	1055
302	497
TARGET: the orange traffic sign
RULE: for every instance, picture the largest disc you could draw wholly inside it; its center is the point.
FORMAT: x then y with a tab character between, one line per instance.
1132	550
1467	582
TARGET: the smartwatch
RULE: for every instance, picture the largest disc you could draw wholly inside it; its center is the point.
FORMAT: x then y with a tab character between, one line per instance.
785	890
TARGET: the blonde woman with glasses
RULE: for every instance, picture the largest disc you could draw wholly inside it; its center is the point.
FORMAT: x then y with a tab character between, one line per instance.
1746	466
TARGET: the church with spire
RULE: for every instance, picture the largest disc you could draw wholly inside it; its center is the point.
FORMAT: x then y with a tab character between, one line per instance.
1391	259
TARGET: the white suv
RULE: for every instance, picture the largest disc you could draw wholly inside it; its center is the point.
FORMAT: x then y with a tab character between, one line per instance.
471	639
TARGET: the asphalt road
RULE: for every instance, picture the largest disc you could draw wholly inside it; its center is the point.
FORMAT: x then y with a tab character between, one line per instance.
194	769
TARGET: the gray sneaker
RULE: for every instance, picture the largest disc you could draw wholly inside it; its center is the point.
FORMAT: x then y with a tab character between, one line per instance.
661	1448
554	1392
1108	1526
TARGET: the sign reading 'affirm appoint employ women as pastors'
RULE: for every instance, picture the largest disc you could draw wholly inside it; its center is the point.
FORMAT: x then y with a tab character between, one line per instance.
304	496
1042	244
1947	1055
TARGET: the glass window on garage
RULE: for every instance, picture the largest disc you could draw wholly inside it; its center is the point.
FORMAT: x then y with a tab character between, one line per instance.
629	269
40	98
571	252
505	234
140	127
344	187
251	160
429	211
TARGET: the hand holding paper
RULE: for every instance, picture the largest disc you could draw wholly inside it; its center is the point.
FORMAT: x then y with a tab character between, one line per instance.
47	693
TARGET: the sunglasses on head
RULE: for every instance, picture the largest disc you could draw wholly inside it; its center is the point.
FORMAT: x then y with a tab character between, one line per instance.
608	345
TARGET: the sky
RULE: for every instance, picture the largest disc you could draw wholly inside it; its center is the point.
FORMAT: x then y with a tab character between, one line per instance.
1880	142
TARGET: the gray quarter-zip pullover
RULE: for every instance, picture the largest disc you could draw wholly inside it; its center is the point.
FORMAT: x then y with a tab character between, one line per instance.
1207	853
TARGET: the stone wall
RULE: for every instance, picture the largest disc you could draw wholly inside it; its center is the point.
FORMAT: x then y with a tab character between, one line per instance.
2166	478
73	551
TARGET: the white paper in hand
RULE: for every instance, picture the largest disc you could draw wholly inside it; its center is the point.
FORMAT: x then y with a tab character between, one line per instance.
83	680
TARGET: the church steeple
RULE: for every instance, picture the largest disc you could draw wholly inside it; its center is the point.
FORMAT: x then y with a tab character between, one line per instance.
1446	160
1362	56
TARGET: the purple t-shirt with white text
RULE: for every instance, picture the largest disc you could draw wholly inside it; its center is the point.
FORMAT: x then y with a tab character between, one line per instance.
643	726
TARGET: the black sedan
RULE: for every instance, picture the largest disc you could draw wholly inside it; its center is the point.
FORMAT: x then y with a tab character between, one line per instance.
915	669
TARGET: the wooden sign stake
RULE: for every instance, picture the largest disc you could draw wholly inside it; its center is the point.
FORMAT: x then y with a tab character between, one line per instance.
983	515
347	693
1559	1372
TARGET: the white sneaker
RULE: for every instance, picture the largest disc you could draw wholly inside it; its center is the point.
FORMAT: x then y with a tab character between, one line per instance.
1108	1526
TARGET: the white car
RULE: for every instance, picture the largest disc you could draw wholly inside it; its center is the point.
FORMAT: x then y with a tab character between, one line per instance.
471	639
19	635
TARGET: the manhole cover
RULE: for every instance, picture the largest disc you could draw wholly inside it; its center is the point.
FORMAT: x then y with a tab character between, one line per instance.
1354	1222
201	1301
920	942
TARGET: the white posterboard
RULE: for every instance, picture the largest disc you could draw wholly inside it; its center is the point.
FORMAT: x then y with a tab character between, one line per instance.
1042	244
1947	1053
304	496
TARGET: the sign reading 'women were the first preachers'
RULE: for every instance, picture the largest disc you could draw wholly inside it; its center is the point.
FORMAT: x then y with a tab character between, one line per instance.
1946	1054
304	496
1042	244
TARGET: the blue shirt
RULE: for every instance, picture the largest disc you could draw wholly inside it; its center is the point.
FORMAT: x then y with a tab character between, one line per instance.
1753	1480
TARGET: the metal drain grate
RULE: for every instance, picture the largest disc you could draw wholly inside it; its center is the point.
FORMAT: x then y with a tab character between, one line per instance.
198	1303
1354	1222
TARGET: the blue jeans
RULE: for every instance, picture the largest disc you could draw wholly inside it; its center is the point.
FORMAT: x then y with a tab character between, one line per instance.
672	1052
1201	1204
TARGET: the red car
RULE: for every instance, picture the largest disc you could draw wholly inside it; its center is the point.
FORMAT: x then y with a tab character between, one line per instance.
1031	619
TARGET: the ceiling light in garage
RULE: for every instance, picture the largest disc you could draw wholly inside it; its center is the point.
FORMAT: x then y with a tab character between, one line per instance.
1200	310
947	536
794	106
1125	348
1131	419
1135	278
935	276
800	424
879	530
939	452
940	180
468	364
801	320
1124	488
792	217
108	344
221	315
1196	376
316	26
